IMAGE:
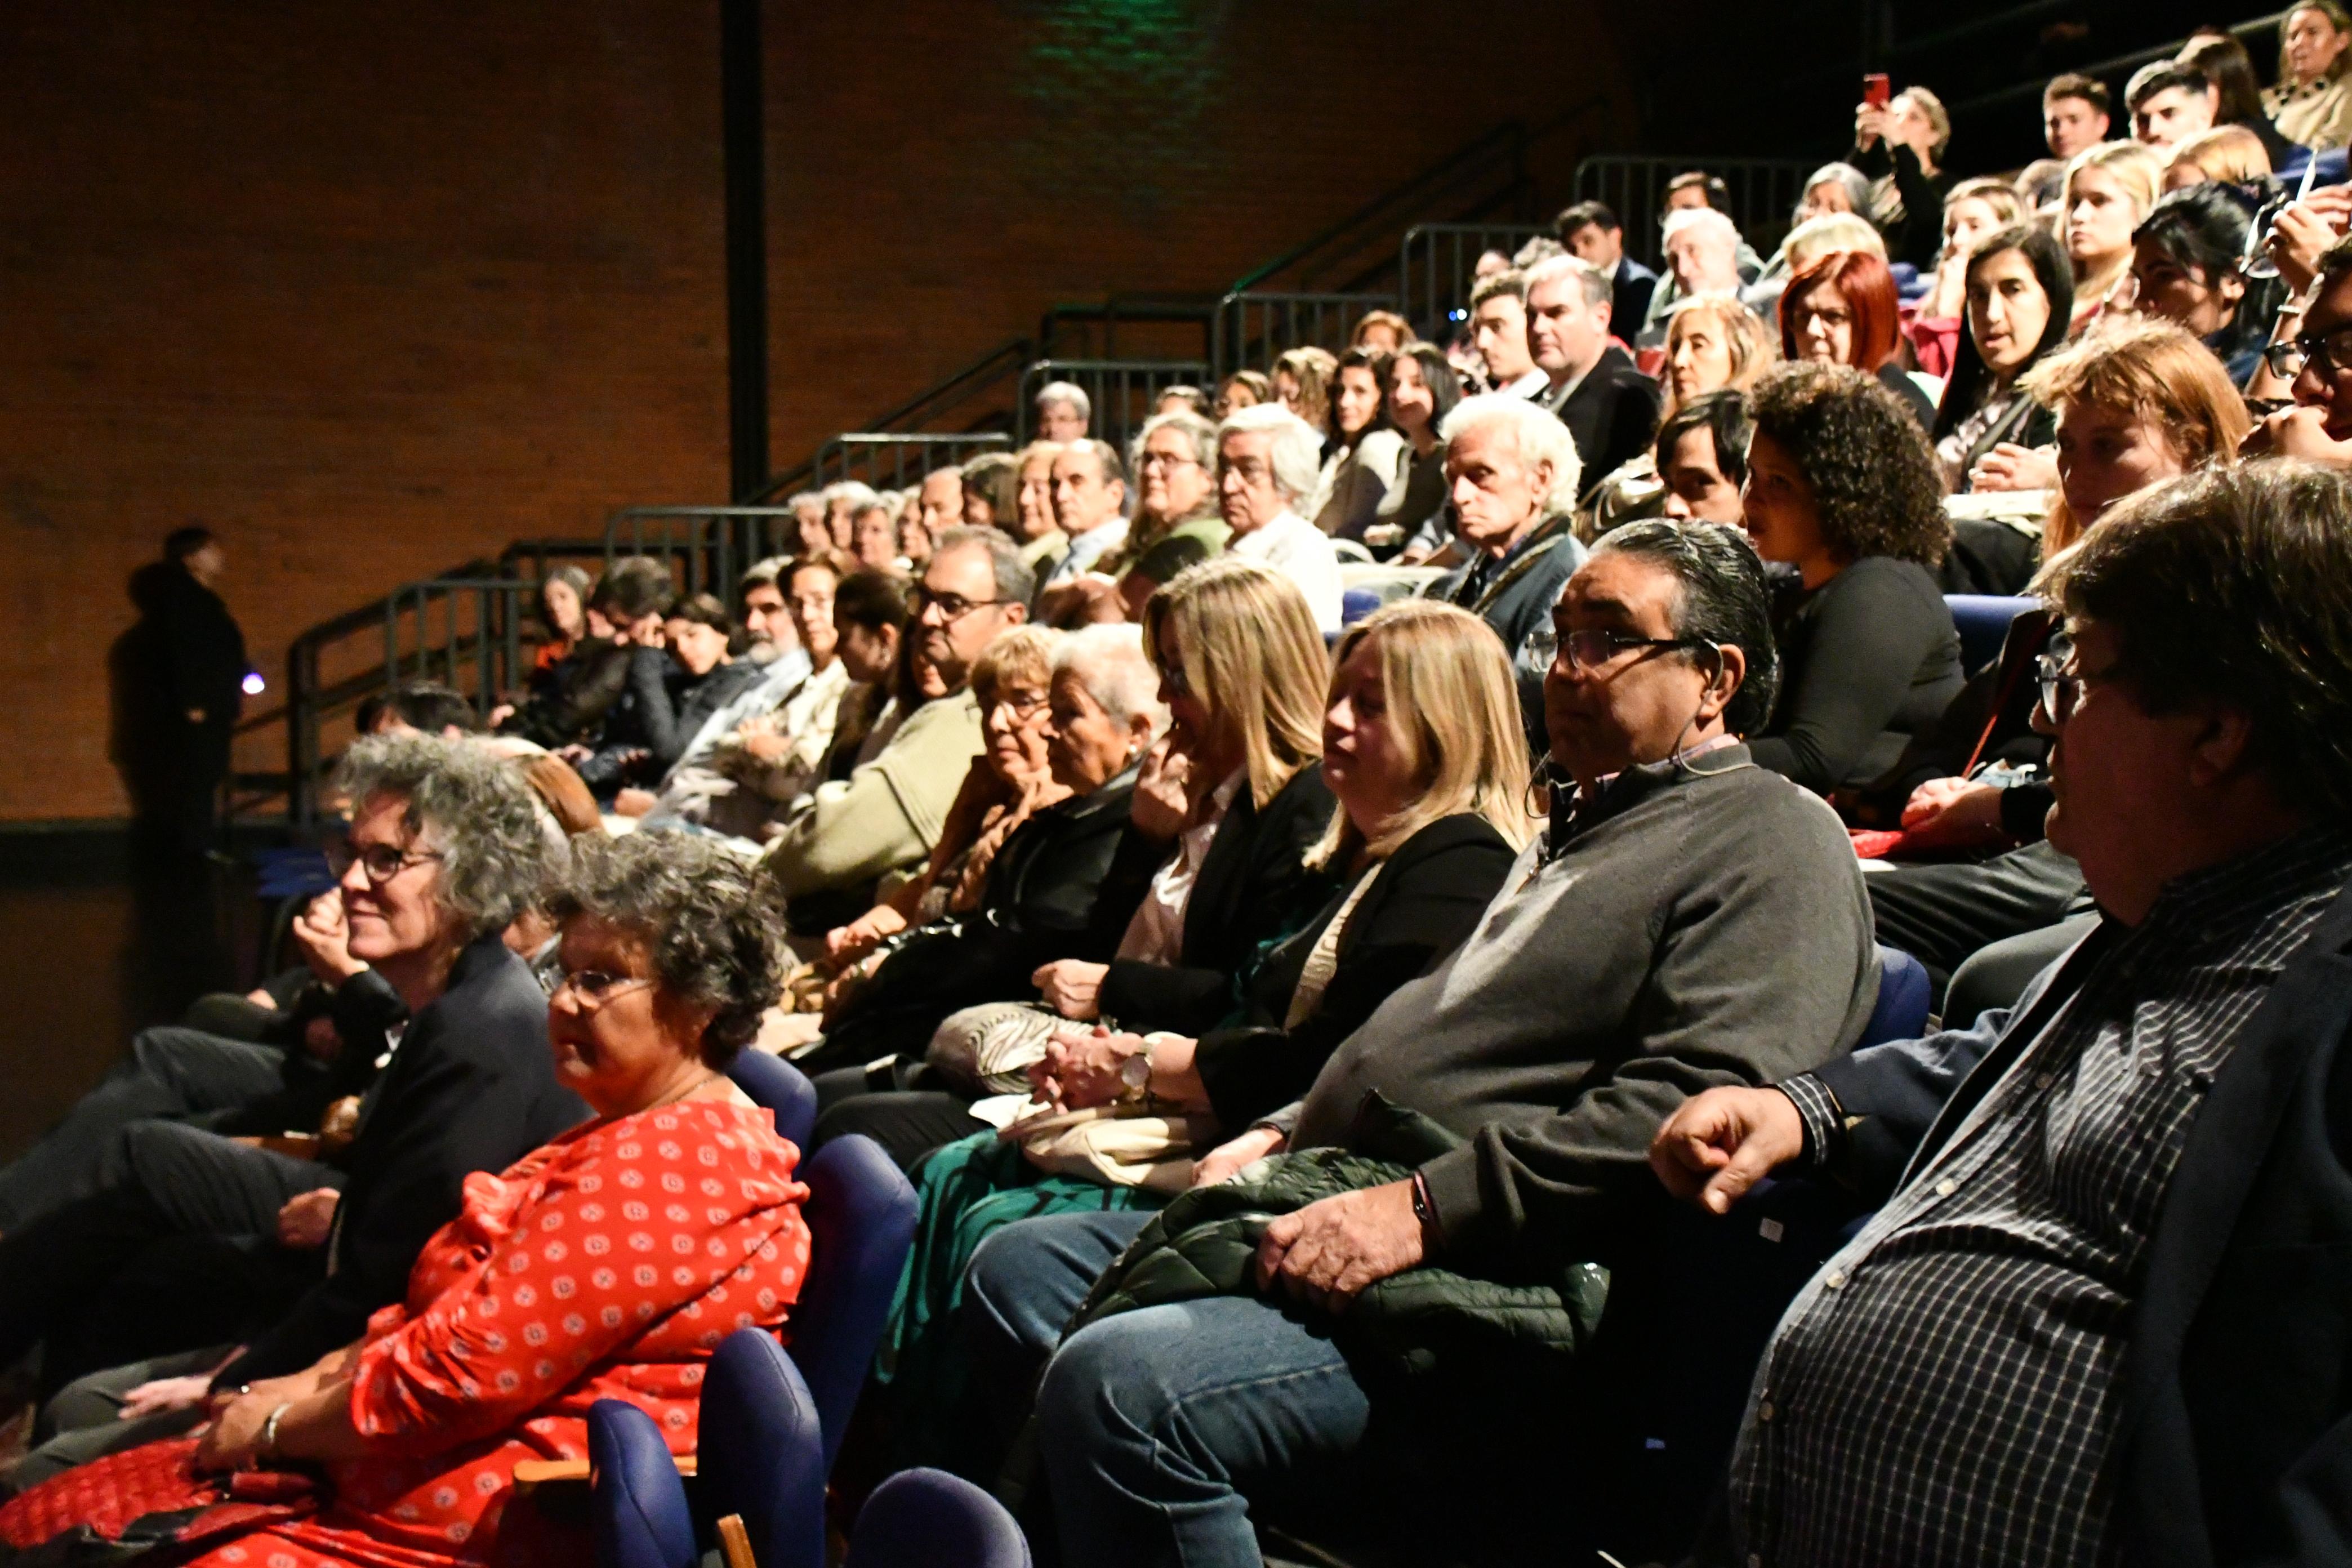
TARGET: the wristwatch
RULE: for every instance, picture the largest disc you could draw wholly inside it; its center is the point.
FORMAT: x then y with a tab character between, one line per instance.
1134	1073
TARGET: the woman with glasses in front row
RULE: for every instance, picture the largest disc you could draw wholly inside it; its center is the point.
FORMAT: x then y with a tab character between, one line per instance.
2312	362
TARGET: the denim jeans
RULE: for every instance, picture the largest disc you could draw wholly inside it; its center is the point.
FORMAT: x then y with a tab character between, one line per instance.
1153	1423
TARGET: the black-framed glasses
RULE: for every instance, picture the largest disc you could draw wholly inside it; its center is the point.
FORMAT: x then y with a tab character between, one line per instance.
2063	687
953	608
1167	460
1592	650
380	862
2328	352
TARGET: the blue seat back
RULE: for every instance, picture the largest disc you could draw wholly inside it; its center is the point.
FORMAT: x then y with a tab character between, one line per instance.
762	1452
637	1503
774	1085
928	1518
1982	621
1904	994
861	1219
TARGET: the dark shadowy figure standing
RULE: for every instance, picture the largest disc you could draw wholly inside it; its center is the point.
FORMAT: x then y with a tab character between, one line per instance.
184	669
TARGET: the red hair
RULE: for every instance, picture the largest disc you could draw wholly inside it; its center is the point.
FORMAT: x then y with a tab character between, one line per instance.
1869	291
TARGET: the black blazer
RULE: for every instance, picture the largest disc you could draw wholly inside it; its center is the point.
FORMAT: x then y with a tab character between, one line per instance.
1044	898
2234	1436
472	1088
1629	298
1421	906
1253	886
1611	415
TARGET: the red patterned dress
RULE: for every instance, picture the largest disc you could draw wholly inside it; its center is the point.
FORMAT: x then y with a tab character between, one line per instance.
607	1265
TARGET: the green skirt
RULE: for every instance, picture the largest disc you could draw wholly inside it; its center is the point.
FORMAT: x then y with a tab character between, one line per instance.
966	1191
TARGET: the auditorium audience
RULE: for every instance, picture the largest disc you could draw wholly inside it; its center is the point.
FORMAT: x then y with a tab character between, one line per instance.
2237	97
1498	328
1590	231
1711	344
2318	361
1841	309
1973	210
630	600
2189	268
991	490
416	1424
1703	251
1366	459
885	815
562	619
1702	458
1842	486
1514	475
2109	190
1422	390
1998	1330
2312	104
2020	296
676	683
873	540
1243	389
1690	920
2073	114
1381	332
1900	145
1267	461
1610	407
1422	748
1176	522
2229	153
843	501
1065	412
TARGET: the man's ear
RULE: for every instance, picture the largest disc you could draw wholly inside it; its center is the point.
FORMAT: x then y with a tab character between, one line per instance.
1730	673
2223	746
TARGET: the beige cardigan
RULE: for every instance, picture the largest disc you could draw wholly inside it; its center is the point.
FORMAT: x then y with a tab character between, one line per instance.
888	814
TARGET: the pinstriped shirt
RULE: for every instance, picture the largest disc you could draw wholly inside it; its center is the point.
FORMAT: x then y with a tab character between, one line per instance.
1944	1390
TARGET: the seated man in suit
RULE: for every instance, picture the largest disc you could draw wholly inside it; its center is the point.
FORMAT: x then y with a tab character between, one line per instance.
1597	390
1590	231
2102	1301
210	1243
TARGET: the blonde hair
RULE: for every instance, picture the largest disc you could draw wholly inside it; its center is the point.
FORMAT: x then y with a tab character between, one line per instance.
1817	237
1997	194
1252	652
2153	370
1016	656
1389	318
1312	369
1939	119
1454	713
2134	165
2231	153
1753	346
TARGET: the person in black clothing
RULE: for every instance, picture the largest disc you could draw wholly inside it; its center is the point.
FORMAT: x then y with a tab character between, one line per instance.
209	1242
2188	268
1610	407
1592	232
2229	73
181	687
1841	309
627	609
1842	487
1901	148
677	678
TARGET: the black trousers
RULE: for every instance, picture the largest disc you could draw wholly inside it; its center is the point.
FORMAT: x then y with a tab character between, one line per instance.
908	1124
181	1254
1942	914
169	1074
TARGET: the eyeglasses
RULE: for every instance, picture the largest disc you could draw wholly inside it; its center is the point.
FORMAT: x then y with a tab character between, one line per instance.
953	608
2062	688
594	987
1592	650
380	862
1167	460
2327	352
1022	707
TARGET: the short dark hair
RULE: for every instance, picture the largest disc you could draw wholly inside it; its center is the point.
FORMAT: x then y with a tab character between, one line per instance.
424	705
2074	84
707	919
183	542
1867	462
634	587
1719	195
1723	413
703	610
1725	599
2162	77
1586	214
2233	587
1016	582
874	600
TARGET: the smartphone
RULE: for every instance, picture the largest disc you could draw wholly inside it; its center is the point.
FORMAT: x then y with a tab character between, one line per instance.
1876	89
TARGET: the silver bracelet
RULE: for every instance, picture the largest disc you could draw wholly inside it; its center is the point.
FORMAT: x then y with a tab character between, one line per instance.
269	1429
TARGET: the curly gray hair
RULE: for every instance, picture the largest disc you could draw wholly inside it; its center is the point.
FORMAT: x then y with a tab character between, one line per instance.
707	919
470	808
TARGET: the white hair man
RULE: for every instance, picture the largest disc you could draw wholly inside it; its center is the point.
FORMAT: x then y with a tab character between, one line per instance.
1610	407
1063	412
1512	473
1704	253
1268	459
843	502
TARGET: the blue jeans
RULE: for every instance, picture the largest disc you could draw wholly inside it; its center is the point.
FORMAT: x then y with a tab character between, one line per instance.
1151	1423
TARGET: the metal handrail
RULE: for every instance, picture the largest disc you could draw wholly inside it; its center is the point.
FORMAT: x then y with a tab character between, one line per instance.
930	445
1109	385
1435	305
2119	65
1234	347
988	370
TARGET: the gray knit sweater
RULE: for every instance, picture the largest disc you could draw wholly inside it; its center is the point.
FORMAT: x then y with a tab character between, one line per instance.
1697	925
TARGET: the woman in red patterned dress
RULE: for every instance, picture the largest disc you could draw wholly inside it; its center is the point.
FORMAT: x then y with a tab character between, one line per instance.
606	1265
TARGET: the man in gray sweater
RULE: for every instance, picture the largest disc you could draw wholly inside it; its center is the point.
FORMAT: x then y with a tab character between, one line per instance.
1689	920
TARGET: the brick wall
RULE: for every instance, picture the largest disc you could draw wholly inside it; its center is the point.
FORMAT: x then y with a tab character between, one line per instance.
371	290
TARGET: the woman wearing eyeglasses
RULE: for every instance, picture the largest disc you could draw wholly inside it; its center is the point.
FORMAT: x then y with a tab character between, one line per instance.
608	1263
1841	487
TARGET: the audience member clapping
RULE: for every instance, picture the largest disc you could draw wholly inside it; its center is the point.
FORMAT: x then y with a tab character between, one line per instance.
1840	485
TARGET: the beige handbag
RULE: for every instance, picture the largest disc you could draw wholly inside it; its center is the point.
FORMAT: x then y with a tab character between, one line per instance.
1118	1146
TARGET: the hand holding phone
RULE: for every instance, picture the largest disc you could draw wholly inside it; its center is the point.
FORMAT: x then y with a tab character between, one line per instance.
1877	91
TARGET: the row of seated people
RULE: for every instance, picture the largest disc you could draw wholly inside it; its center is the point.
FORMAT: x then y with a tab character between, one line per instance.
1337	1067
